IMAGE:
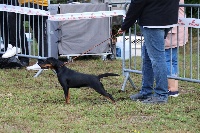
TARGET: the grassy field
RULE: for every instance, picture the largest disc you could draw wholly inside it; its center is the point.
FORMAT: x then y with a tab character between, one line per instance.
37	105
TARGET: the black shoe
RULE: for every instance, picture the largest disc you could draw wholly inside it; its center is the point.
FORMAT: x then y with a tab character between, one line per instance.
24	63
139	97
155	100
173	93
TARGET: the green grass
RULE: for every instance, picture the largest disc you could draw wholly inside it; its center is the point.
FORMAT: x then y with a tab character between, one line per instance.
37	105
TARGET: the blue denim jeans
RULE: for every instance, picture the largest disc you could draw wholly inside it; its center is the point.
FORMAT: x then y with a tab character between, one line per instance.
171	60
154	63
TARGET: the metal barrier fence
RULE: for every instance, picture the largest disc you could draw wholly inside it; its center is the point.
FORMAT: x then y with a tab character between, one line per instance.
37	47
28	28
24	30
188	54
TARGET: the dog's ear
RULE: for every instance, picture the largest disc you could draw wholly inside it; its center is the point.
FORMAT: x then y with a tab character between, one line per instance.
51	60
54	62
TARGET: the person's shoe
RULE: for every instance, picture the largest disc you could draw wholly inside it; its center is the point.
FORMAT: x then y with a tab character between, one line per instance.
139	97
24	63
173	93
11	51
34	67
155	100
9	48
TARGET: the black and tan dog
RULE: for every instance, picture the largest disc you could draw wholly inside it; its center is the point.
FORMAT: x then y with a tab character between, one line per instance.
71	79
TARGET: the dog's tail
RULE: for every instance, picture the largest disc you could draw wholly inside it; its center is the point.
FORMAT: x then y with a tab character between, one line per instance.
107	74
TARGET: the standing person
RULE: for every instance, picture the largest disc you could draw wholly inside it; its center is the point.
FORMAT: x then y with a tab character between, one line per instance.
171	52
155	18
12	48
3	27
37	24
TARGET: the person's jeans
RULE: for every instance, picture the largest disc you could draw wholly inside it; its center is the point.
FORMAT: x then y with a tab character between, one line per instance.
171	61
154	63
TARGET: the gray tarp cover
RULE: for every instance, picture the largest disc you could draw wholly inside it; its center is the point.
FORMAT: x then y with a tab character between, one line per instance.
54	36
79	36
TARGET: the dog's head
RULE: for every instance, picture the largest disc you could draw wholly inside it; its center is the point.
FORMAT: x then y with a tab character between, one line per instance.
51	63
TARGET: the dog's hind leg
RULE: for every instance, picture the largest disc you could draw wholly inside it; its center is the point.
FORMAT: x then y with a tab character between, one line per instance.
100	89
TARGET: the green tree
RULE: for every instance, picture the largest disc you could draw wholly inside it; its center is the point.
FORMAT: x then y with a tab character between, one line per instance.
194	12
192	2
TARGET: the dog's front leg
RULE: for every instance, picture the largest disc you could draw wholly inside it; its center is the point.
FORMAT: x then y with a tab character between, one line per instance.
66	90
67	95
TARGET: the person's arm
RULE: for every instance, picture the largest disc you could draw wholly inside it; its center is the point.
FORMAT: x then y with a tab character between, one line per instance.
133	13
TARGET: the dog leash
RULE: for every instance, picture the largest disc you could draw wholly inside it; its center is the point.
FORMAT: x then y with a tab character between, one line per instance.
91	49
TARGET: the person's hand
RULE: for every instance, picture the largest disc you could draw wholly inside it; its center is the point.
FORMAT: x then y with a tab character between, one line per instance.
120	31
